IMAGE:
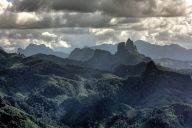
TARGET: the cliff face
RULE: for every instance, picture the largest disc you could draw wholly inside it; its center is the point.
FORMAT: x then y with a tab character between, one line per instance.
127	54
127	47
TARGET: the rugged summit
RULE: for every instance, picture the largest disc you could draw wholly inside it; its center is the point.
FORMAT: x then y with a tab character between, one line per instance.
127	47
126	54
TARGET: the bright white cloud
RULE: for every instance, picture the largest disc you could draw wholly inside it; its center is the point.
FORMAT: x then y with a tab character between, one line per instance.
189	2
64	44
99	32
26	18
49	34
4	5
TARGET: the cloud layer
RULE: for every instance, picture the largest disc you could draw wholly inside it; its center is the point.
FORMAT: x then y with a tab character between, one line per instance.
119	8
56	22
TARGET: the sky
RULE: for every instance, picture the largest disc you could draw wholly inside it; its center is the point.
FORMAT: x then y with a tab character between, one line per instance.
63	24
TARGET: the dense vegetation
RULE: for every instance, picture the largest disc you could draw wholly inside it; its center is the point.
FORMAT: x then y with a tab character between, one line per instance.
45	91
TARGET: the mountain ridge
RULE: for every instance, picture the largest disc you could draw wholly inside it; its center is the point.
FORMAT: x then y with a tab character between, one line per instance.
172	51
33	49
101	59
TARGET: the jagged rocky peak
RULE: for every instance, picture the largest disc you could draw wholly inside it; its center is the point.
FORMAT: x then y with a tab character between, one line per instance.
121	46
130	45
127	46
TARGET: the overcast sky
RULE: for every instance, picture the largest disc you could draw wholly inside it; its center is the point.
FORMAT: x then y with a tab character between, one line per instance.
79	23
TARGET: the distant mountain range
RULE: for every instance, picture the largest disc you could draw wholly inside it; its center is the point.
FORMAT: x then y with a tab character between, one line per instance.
154	51
100	59
174	52
33	49
172	56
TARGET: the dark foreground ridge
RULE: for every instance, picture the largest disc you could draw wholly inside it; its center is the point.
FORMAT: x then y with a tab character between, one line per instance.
122	90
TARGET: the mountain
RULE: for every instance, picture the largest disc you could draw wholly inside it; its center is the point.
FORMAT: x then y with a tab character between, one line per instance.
107	47
81	54
174	57
44	91
154	51
33	49
104	60
101	60
172	51
126	54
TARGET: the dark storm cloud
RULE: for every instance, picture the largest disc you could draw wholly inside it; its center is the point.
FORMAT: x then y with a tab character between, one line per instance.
76	5
28	5
32	14
24	20
53	20
118	8
72	5
144	8
87	20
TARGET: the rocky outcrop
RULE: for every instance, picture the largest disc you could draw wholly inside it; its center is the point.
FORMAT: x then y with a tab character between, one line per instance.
126	54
